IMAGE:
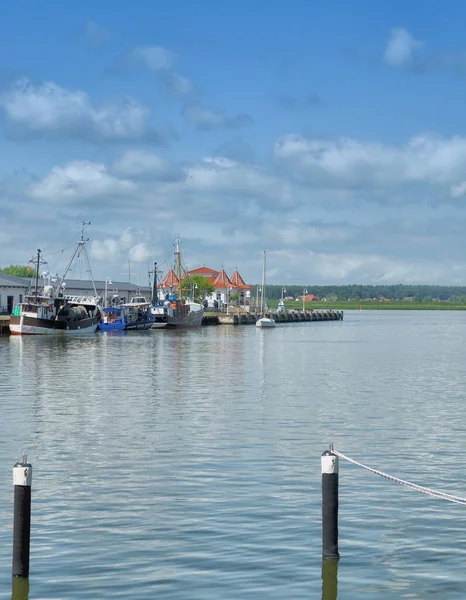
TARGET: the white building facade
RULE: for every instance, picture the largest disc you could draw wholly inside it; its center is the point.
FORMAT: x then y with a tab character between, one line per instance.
12	292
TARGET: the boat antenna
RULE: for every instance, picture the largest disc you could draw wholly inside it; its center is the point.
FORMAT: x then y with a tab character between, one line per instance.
83	224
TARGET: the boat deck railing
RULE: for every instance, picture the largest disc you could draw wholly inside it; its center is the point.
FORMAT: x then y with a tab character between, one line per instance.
81	299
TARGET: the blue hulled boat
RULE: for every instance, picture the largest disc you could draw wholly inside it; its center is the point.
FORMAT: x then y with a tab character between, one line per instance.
134	315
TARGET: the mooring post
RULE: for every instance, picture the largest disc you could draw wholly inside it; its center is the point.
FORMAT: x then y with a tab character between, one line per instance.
329	463
22	479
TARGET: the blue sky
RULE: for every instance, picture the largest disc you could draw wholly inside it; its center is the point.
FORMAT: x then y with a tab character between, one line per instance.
330	134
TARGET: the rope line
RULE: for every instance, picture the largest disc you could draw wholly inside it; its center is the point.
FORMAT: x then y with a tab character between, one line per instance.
408	484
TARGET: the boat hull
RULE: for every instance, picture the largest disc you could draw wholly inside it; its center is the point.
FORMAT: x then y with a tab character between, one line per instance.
265	322
125	326
192	319
23	325
159	324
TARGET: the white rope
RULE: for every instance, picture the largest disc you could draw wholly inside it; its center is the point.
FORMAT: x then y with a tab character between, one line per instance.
414	486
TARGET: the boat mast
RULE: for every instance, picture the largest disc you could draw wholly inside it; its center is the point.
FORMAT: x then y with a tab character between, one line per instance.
155	293
263	287
79	246
178	265
37	274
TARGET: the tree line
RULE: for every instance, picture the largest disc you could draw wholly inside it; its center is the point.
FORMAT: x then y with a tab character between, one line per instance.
419	293
396	292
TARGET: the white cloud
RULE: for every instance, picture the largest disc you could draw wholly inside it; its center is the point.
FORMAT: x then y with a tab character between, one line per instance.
350	163
160	60
133	244
228	210
401	49
79	180
225	180
49	110
201	117
458	190
377	269
140	253
137	163
178	84
156	58
104	250
95	34
297	235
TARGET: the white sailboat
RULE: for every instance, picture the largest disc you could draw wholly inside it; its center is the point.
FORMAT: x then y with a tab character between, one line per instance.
264	321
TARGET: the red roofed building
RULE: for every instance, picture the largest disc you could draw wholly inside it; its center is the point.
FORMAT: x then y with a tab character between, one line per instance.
170	282
209	274
308	298
224	286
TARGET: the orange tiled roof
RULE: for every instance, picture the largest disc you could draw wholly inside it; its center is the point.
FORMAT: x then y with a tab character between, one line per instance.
170	280
204	271
222	280
238	281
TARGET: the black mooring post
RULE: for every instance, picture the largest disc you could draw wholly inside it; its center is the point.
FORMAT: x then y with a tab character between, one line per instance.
330	579
329	463
22	479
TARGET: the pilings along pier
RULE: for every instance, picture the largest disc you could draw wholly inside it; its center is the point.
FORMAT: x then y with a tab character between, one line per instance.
288	316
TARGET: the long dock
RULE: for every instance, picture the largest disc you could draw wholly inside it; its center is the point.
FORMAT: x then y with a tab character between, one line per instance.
289	316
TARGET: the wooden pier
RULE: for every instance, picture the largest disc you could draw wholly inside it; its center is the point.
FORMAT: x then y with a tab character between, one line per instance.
289	316
4	324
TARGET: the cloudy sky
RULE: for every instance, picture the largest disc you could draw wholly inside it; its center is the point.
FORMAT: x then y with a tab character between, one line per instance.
333	135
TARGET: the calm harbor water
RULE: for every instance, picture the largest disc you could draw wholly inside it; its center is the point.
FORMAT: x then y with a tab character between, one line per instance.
186	465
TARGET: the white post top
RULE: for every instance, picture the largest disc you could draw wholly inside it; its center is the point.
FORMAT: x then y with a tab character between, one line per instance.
22	474
329	463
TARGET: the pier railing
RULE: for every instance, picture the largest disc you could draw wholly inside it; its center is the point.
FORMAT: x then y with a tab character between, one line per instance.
330	500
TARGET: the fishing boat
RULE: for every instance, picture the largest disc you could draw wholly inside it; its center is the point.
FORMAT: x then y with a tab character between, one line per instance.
47	310
264	321
136	314
179	313
158	308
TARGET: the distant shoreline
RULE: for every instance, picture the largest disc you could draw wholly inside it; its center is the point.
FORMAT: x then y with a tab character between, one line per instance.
370	305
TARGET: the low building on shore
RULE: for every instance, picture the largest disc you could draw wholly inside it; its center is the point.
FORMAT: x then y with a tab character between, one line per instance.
13	290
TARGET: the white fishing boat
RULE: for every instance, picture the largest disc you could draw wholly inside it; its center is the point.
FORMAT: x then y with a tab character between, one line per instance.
47	310
263	321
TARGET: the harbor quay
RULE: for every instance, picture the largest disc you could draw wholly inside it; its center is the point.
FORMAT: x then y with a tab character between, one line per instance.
241	318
